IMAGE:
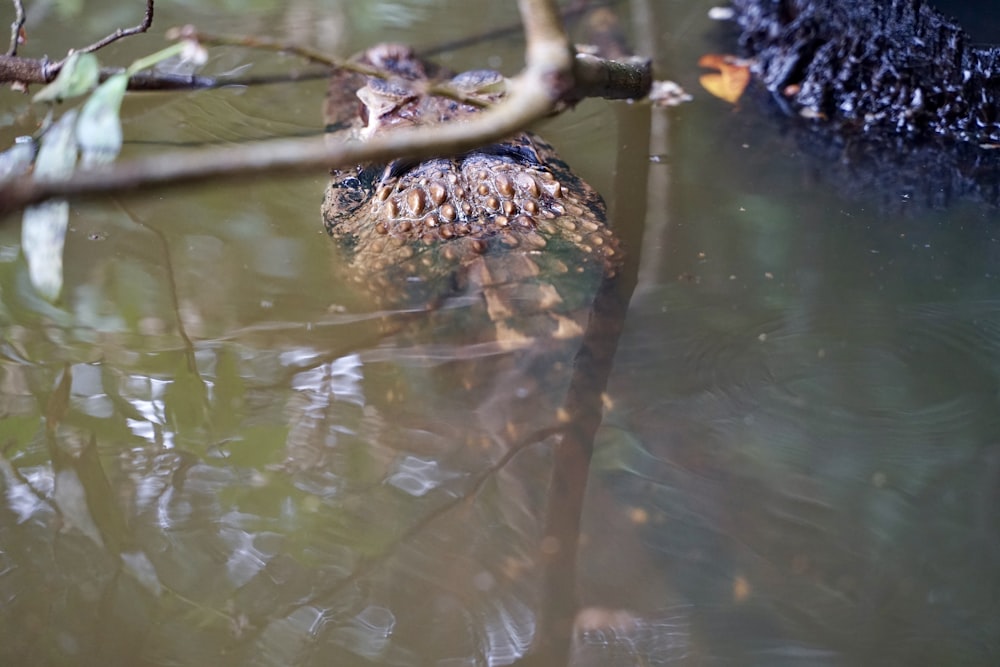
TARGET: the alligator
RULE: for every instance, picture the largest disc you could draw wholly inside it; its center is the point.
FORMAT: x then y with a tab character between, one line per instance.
890	95
486	272
485	264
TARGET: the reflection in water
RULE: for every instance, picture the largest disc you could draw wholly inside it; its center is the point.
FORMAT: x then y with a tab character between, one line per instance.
619	637
367	634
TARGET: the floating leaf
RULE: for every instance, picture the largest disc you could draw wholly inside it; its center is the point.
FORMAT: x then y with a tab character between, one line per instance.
99	128
79	75
17	159
732	79
43	227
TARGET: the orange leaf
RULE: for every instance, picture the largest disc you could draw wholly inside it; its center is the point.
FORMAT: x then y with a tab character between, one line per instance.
732	79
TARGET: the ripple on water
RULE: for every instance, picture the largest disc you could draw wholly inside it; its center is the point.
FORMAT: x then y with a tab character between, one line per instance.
967	328
917	374
829	418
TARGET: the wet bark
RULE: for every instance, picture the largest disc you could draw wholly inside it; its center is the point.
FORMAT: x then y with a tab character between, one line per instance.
892	97
889	66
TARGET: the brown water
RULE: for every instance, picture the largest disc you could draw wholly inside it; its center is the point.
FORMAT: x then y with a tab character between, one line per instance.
212	451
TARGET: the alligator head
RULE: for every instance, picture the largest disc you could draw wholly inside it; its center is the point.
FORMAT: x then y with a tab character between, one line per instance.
504	214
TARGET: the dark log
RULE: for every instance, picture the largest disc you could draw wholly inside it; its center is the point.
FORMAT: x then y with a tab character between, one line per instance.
890	100
882	66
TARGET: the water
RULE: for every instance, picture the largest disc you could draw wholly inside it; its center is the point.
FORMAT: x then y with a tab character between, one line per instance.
213	452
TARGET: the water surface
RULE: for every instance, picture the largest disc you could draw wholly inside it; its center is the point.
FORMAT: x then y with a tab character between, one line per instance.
212	452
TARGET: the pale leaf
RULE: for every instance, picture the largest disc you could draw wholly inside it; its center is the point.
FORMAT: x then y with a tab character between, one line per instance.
99	128
43	227
17	159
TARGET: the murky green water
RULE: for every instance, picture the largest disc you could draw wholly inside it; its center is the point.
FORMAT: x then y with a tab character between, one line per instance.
213	451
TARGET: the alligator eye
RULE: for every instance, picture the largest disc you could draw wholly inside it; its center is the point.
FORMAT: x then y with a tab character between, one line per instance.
346	179
369	176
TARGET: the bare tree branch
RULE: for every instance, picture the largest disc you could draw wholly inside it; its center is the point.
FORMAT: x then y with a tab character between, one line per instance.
30	70
15	28
311	55
147	21
547	78
33	70
611	79
41	71
264	44
24	70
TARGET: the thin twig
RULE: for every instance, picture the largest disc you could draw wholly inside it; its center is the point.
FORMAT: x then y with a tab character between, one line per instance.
266	44
147	21
15	28
312	56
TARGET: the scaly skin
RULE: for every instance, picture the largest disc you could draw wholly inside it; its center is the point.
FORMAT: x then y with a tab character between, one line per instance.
510	220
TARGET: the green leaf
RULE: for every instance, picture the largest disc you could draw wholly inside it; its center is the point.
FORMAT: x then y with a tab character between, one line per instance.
57	154
99	128
43	227
79	75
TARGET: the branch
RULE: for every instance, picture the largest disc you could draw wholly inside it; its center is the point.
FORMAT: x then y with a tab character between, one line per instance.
33	70
41	71
189	32
629	79
15	28
547	78
264	44
147	21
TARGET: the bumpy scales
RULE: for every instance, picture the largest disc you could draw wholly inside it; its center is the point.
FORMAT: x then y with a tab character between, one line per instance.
409	222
